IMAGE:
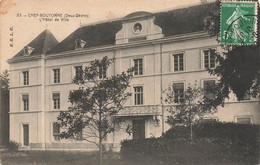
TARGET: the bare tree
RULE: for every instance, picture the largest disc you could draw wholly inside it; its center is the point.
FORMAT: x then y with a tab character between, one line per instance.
95	103
188	106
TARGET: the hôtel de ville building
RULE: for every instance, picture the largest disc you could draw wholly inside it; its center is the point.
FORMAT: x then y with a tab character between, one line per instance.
168	48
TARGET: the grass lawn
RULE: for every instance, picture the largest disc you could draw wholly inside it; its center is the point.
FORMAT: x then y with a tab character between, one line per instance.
91	158
62	158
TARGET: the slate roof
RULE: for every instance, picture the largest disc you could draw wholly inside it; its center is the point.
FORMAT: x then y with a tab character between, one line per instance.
93	35
174	22
43	43
185	20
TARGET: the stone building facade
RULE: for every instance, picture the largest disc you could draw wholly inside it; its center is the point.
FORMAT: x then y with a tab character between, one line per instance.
168	48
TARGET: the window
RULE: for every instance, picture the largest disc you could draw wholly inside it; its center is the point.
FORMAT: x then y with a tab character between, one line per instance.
244	120
178	89
78	72
56	131
137	28
138	66
27	50
26	135
26	78
79	44
102	72
209	58
210	120
178	62
56	100
208	86
25	99
104	136
138	95
56	75
79	136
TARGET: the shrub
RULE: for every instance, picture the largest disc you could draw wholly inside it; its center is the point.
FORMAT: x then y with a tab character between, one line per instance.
13	146
243	132
178	133
213	142
140	146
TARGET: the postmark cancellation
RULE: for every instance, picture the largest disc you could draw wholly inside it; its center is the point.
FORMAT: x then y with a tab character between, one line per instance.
239	22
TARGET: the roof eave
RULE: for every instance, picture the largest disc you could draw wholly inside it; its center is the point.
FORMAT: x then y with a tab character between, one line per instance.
176	38
24	58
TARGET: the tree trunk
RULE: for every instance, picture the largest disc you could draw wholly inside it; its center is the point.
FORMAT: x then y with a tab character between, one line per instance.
191	133
100	138
100	154
190	120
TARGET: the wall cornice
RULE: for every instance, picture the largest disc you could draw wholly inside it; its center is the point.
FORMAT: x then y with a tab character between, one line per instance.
176	38
25	58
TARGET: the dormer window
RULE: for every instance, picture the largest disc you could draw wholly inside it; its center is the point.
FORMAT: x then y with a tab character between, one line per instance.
79	44
27	50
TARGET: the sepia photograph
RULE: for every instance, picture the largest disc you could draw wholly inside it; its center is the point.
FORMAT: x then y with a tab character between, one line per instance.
130	82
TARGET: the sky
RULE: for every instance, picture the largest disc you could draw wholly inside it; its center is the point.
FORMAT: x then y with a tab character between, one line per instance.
20	20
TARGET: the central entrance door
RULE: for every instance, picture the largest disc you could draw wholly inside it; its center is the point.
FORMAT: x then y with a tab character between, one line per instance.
25	134
138	129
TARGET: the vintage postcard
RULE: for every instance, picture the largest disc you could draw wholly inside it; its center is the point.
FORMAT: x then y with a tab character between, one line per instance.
128	82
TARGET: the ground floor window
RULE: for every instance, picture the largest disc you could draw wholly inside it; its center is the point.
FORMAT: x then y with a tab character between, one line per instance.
244	120
104	135
56	131
25	134
79	136
210	119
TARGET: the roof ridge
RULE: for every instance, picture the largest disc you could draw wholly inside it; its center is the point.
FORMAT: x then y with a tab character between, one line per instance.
184	6
100	22
42	43
44	40
152	12
104	32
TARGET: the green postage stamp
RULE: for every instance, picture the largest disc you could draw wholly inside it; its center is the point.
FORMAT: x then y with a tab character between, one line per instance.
239	22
